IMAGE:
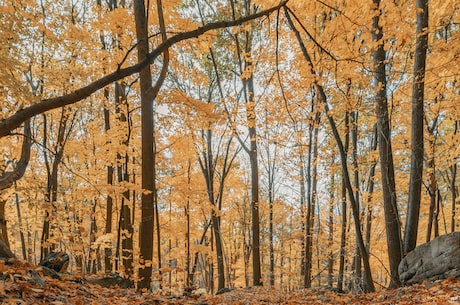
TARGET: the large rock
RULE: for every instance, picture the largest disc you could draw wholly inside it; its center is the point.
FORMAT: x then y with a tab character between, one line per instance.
437	259
57	261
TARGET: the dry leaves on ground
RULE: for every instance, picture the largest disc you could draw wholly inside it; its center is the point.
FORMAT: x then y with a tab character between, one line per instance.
20	285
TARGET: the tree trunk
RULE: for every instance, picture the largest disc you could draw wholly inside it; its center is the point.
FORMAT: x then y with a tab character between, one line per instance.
368	282
308	212
109	203
354	140
393	229
370	188
415	183
271	191
453	187
125	222
21	232
343	235
330	236
432	191
148	164
8	178
256	269
52	183
148	94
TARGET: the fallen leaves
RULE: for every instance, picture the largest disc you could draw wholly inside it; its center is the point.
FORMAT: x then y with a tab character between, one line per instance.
19	287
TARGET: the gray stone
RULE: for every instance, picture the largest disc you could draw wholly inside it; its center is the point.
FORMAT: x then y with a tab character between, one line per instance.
437	259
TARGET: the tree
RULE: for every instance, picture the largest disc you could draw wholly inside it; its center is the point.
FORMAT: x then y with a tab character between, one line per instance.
8	178
148	94
415	183
392	222
368	281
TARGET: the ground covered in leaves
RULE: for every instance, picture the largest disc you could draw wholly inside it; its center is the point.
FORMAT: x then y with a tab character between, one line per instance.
23	285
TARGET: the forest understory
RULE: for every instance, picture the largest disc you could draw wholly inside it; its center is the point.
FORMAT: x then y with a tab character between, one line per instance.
23	284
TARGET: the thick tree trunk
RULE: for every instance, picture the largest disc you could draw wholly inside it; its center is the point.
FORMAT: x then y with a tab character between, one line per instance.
7	179
256	268
148	164
415	184
148	94
392	222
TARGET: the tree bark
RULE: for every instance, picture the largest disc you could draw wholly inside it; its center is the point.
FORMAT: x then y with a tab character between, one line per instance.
148	164
7	179
415	184
392	222
453	186
109	201
330	232
343	234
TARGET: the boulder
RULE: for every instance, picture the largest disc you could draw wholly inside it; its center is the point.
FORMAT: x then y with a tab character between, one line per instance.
57	261
437	259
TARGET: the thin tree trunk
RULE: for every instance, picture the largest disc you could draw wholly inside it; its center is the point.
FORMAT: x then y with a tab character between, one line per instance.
303	214
354	141
330	236
368	282
433	191
418	90
308	212
189	278
21	229
453	185
208	169
158	231
246	64
343	235
52	184
125	222
109	203
108	266
370	188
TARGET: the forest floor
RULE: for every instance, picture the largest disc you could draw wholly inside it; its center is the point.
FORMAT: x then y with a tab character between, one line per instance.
18	286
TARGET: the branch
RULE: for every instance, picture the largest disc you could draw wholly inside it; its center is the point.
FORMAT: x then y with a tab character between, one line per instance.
14	121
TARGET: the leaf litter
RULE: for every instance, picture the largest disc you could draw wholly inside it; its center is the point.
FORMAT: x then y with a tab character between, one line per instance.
20	285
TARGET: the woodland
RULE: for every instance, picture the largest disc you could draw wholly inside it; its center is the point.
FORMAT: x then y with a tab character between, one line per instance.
212	145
